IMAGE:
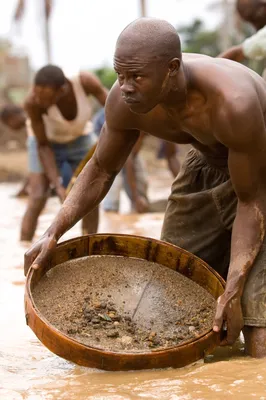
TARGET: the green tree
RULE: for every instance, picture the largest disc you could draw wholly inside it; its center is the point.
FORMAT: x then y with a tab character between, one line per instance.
106	75
197	39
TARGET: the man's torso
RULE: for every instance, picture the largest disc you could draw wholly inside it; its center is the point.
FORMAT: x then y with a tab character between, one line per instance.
216	85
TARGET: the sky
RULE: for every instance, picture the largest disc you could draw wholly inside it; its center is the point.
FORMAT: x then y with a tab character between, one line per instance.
84	32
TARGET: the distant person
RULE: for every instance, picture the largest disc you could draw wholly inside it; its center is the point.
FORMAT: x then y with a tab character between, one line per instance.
254	47
98	121
14	118
58	138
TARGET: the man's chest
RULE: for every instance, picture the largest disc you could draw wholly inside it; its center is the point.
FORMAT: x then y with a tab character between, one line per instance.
196	126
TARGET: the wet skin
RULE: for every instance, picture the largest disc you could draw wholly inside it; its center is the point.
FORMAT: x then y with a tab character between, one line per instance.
215	105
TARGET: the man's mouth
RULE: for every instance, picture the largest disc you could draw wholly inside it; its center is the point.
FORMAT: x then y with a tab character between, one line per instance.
130	100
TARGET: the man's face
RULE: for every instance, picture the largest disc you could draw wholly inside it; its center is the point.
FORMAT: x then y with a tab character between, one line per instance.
16	121
141	82
46	96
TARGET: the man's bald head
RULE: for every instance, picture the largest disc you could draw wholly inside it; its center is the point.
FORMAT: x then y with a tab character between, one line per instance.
148	63
149	37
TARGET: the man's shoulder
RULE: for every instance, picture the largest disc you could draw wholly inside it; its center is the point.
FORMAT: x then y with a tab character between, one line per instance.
228	83
87	78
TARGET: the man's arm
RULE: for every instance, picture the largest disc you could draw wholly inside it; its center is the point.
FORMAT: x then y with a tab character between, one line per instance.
235	53
115	144
246	139
92	85
46	154
253	48
95	179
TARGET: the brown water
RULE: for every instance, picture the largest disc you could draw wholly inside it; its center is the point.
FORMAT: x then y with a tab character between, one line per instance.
29	371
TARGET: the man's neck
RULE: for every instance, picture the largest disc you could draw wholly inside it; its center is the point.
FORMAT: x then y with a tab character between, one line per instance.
177	97
69	95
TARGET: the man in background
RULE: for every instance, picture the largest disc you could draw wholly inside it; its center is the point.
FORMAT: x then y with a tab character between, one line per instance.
14	118
254	47
59	137
132	178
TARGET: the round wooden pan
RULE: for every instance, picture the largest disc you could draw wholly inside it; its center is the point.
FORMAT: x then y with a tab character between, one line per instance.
129	246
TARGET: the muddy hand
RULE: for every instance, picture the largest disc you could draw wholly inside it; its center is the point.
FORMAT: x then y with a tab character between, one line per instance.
39	253
228	312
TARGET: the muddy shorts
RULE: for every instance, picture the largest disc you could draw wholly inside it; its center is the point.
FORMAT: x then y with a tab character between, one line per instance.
199	217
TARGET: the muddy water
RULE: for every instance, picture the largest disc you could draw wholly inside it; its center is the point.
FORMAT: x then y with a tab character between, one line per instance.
29	371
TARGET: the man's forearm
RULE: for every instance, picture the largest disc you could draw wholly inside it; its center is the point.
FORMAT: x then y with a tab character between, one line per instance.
48	161
88	191
235	53
247	238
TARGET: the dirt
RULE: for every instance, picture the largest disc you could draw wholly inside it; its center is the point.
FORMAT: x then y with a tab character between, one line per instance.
13	165
123	304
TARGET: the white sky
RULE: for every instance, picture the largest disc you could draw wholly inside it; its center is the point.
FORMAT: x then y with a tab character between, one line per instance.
84	32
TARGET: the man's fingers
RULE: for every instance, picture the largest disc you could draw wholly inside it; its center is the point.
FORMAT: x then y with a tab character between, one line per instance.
234	327
28	260
230	338
233	331
35	259
39	254
218	319
41	260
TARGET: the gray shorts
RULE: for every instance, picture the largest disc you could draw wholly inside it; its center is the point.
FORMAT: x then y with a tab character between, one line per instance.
199	217
72	152
67	155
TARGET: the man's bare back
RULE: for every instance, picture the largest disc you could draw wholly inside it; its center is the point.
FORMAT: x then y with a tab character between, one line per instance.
219	107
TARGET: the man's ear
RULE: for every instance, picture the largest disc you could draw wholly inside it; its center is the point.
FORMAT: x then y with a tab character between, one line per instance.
174	66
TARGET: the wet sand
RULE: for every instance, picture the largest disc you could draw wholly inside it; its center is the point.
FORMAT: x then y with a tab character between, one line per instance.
124	304
28	371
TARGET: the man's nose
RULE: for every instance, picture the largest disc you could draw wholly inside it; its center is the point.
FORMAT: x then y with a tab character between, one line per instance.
127	88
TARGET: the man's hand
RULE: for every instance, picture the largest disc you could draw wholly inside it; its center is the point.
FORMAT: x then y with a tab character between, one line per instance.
141	204
229	311
40	252
235	53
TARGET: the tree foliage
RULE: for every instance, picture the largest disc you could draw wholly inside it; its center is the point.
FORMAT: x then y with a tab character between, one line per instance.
106	75
197	39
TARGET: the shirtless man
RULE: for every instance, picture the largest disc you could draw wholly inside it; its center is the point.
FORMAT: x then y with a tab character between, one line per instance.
219	108
58	137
